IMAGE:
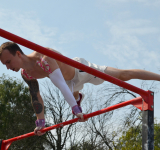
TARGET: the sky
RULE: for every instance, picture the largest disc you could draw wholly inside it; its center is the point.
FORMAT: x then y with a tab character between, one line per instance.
124	34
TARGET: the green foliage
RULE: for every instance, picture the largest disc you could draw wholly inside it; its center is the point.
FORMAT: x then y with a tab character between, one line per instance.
156	135
16	114
132	138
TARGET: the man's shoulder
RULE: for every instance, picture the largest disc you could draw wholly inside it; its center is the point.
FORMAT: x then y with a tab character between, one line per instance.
35	55
51	49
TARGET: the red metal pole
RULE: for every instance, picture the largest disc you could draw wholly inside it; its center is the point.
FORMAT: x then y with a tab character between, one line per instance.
6	143
71	62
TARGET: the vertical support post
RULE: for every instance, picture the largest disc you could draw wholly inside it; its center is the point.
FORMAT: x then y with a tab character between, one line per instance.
148	127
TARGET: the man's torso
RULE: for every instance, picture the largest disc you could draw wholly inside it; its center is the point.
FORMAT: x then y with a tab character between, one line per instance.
37	72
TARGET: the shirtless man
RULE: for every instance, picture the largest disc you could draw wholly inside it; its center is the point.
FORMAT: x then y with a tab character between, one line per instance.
36	66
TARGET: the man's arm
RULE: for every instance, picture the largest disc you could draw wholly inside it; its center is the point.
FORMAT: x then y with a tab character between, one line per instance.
36	98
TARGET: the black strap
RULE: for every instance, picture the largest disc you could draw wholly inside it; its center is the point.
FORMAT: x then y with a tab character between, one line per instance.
83	71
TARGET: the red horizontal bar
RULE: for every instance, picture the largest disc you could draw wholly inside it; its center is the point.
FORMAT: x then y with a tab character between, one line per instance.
70	62
132	101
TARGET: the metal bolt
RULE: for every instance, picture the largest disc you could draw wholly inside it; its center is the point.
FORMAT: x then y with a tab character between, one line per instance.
151	106
152	94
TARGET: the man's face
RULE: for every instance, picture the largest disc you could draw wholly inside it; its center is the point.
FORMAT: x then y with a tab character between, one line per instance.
11	62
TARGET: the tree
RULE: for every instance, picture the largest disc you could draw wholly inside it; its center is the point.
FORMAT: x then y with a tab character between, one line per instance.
16	114
100	132
87	145
132	138
104	130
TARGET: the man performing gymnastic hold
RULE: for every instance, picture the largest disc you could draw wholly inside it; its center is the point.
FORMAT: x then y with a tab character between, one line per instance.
36	66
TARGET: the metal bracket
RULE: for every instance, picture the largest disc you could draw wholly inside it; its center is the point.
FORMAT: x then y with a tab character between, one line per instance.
141	105
147	102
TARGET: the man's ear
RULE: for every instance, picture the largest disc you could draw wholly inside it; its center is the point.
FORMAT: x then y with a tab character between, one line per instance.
18	53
